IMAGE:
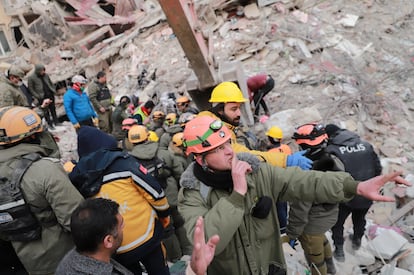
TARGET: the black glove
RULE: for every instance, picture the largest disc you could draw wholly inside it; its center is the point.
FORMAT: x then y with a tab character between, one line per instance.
262	207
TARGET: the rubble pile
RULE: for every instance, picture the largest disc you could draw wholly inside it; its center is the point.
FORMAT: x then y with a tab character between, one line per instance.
343	62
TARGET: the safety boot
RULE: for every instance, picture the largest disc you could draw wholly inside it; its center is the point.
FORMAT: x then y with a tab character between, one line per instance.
330	266
356	243
339	253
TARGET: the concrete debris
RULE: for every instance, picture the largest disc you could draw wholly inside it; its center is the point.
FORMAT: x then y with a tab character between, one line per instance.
329	63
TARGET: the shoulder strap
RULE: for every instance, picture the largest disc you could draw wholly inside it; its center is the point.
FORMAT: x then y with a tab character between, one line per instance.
22	165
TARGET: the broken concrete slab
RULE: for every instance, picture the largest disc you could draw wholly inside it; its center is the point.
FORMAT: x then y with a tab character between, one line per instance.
387	244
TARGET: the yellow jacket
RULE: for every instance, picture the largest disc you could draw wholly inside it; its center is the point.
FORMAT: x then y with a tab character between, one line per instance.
274	158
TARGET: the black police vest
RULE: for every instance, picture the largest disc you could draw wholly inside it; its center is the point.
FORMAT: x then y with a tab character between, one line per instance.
103	93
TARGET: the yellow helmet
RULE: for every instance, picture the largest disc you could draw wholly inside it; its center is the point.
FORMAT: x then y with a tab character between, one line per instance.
138	134
227	92
275	132
177	139
152	136
170	118
16	123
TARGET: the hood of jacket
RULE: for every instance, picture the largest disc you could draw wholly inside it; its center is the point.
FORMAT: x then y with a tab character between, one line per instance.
91	139
145	151
38	68
344	137
189	180
87	175
20	150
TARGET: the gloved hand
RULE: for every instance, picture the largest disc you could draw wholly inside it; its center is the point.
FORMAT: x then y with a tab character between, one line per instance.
95	121
76	126
293	243
297	159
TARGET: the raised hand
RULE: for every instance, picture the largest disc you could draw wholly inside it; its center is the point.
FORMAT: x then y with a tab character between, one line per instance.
370	188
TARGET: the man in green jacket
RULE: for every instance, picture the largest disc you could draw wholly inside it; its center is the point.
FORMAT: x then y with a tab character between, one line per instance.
46	189
10	93
101	99
237	195
42	88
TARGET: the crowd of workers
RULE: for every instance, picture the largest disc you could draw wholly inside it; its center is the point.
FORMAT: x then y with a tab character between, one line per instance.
148	182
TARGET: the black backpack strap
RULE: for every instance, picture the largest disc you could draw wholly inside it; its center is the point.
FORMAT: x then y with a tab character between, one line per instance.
22	165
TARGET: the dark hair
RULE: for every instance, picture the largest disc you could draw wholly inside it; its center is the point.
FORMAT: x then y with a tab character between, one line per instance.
100	74
149	104
91	221
125	99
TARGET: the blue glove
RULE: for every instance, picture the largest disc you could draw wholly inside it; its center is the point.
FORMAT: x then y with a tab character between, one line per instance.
297	159
293	243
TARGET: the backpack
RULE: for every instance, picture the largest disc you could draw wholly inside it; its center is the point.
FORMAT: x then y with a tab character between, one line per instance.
17	221
157	168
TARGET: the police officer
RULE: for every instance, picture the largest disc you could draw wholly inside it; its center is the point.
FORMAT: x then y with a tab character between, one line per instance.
361	161
101	99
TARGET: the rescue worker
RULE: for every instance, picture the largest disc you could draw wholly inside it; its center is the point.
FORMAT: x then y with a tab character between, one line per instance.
101	99
170	119
157	123
236	195
105	172
41	87
227	99
275	136
10	93
184	106
178	244
78	107
118	116
46	189
126	125
362	162
259	86
309	221
143	112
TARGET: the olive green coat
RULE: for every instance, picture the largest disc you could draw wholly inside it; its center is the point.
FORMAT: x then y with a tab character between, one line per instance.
46	186
249	245
10	94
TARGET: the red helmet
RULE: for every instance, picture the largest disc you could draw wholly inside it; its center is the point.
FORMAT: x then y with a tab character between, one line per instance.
311	134
128	123
204	133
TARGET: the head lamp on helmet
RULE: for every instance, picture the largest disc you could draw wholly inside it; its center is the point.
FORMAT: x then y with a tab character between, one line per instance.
203	134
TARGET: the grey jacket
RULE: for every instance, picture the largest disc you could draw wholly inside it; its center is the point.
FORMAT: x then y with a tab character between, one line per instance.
46	186
35	83
249	245
74	263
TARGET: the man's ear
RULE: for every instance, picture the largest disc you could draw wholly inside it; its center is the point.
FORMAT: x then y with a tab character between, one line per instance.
108	241
198	159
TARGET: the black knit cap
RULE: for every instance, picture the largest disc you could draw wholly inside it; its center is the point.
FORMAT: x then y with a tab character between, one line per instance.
331	129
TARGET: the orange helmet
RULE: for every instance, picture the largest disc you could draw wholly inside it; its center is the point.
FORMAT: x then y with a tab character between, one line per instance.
158	115
16	123
182	100
311	134
177	139
203	134
128	123
137	134
170	118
